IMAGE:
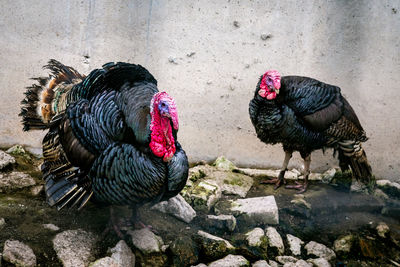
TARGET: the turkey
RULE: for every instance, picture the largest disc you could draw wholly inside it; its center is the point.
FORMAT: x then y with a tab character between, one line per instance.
112	136
304	114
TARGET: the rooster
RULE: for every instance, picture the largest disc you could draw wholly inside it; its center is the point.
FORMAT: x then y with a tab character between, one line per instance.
304	114
111	136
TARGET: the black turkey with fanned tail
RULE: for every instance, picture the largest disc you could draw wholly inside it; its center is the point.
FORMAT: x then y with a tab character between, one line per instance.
304	115
111	136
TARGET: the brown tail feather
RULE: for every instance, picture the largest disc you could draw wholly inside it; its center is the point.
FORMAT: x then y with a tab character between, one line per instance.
353	155
37	106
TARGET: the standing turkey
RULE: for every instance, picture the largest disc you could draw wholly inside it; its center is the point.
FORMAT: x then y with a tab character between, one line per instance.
304	115
111	135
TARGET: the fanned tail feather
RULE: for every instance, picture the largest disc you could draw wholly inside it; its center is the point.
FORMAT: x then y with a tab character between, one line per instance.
37	106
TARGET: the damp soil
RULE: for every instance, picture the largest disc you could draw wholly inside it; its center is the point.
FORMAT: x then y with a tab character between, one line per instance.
335	211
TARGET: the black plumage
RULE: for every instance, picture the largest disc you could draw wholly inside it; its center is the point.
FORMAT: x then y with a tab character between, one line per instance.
307	115
98	137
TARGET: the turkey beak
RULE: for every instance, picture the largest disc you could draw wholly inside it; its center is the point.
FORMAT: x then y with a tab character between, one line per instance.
277	86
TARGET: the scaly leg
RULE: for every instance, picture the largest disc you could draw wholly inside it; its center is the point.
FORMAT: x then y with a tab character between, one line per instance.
281	177
302	187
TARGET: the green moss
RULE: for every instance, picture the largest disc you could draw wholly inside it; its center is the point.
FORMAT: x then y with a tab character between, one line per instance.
233	179
197	176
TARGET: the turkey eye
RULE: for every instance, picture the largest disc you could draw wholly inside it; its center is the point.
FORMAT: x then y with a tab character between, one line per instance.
163	104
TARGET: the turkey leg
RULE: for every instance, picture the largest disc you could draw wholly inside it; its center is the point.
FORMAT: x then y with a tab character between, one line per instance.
302	187
281	177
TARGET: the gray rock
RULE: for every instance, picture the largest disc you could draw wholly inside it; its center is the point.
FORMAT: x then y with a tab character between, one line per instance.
286	259
358	187
382	229
301	202
123	255
343	244
234	183
223	164
51	227
328	175
15	180
5	159
184	251
199	265
18	253
294	244
230	261
2	223
274	240
257	210
17	149
255	237
390	188
178	207
74	247
203	195
320	250
319	262
146	241
299	263
36	190
213	246
273	263
105	262
222	222
261	263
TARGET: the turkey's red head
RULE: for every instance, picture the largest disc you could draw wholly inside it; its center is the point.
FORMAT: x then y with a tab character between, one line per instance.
270	84
163	113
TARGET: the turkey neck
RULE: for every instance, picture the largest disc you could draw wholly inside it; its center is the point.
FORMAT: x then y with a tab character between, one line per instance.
162	141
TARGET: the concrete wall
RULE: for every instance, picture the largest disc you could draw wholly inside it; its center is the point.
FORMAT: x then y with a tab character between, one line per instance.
209	55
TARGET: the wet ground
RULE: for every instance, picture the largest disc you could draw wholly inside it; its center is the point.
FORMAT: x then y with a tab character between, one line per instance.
333	211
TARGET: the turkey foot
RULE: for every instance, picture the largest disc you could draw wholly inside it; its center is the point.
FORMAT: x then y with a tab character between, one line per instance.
302	187
277	181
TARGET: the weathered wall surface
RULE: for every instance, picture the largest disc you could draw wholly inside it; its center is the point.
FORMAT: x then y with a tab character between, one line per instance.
209	55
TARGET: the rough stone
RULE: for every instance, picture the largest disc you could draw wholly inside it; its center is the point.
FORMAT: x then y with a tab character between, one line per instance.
343	244
36	190
299	263
382	229
203	195
257	210
18	253
15	180
255	237
222	222
328	175
294	244
286	259
319	250
390	188
231	261
16	150
5	159
184	251
105	262
235	184
274	240
51	227
259	173
74	247
123	255
261	263
319	262
273	263
300	202
214	247
358	187
146	241
178	207
224	164
199	265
